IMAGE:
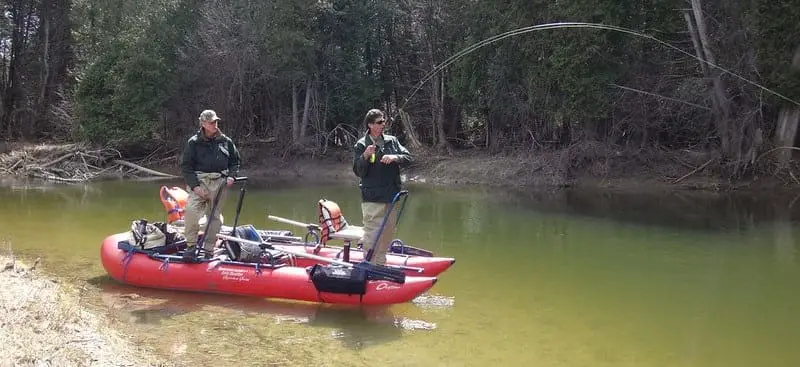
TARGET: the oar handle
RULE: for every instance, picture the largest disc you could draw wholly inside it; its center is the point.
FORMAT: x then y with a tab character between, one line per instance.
309	226
403	267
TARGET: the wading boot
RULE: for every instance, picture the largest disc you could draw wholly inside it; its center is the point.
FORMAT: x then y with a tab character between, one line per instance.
189	254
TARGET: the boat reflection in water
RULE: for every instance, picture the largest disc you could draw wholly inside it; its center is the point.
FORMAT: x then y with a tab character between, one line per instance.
356	326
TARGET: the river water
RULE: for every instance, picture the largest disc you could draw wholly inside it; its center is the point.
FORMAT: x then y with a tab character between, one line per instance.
542	279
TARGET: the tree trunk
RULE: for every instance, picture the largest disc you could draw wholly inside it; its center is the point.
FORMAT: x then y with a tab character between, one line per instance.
412	142
295	115
434	108
306	108
62	59
437	112
698	50
443	144
12	89
322	115
788	118
721	102
45	72
488	129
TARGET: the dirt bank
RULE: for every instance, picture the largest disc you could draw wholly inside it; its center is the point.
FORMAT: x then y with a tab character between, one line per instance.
44	323
590	164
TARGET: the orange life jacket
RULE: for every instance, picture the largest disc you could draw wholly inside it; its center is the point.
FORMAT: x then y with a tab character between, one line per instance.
331	219
174	200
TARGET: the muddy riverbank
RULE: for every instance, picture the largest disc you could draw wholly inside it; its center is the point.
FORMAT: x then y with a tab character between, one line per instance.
588	165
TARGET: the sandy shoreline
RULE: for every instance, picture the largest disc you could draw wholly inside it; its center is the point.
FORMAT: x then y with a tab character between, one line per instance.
43	323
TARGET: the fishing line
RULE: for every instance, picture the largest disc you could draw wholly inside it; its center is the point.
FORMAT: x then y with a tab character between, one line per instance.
436	69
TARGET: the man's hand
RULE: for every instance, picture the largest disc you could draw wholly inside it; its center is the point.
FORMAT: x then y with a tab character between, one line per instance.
369	151
201	192
389	158
230	180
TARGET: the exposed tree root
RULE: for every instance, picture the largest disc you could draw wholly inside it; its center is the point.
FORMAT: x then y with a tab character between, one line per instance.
71	163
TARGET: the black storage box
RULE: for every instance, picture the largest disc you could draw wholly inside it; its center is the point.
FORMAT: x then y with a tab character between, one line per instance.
339	279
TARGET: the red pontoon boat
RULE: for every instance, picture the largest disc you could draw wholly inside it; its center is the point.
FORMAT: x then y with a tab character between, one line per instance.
163	268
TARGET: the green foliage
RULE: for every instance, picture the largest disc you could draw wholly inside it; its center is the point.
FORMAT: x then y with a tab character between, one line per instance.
129	79
121	97
779	38
531	78
351	51
143	60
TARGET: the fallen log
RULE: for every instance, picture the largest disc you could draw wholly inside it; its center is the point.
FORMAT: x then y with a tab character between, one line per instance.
71	163
63	157
142	169
694	171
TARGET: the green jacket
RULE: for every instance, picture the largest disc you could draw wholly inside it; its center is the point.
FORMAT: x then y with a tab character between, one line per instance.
203	154
379	182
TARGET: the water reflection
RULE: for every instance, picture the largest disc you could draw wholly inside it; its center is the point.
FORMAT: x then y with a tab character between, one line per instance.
785	250
434	300
679	209
356	327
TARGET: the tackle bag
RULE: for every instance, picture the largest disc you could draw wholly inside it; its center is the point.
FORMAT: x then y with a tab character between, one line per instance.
339	279
149	236
242	251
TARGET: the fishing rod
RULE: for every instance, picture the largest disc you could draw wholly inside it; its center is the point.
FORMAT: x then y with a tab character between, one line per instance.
447	62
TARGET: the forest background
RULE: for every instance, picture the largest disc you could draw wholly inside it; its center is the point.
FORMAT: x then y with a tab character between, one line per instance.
694	93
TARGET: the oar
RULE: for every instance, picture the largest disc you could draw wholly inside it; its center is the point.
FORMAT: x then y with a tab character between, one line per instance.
179	226
313	229
270	240
381	272
309	226
239	202
404	249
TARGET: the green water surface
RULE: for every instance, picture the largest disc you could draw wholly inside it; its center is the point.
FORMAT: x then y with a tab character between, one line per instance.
546	279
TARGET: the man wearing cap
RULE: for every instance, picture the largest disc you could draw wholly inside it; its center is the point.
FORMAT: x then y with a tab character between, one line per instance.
210	161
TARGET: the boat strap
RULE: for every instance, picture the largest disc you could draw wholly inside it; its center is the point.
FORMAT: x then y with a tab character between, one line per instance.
127	260
164	265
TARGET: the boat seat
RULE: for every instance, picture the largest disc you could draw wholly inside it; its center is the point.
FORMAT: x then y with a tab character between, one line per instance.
351	233
333	225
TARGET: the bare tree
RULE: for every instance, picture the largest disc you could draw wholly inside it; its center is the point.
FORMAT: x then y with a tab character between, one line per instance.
788	118
722	109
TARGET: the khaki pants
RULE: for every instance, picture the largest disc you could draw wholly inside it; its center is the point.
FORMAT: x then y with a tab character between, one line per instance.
196	207
373	214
